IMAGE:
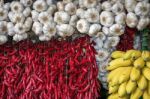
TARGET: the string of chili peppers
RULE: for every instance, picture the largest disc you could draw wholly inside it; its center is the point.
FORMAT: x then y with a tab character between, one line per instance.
51	70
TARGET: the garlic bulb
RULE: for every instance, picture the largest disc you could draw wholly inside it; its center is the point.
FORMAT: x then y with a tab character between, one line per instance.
37	28
10	16
10	27
51	9
3	28
94	29
44	17
131	20
92	15
19	37
89	3
67	1
99	43
101	35
106	31
6	6
1	2
3	14
16	7
80	13
18	18
113	41
49	2
35	15
73	20
70	8
130	5
65	30
102	54
142	8
117	8
120	18
106	18
28	23
49	29
19	28
117	29
61	17
60	6
40	5
44	38
143	23
3	39
27	12
26	3
98	7
83	26
106	6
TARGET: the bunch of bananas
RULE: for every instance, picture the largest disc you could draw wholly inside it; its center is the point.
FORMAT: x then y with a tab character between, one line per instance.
129	75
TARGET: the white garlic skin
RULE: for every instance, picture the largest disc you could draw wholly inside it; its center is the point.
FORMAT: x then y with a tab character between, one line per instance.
20	16
28	23
89	3
16	7
37	28
44	18
130	5
90	13
94	29
49	2
106	6
142	8
27	3
10	27
143	23
117	30
10	16
27	12
120	18
44	38
19	28
80	13
47	27
4	16
131	20
6	6
83	26
3	39
114	40
99	43
51	10
35	15
117	8
61	17
107	18
3	28
73	20
19	37
106	31
70	8
41	3
60	6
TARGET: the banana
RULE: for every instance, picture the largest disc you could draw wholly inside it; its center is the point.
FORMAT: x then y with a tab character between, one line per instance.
139	63
136	54
148	88
115	72
148	64
130	87
113	96
119	62
113	89
136	94
122	89
125	76
146	95
146	55
142	83
128	54
135	74
146	73
117	54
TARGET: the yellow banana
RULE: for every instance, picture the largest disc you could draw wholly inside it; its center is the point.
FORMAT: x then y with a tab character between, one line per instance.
139	63
113	96
135	74
148	64
128	54
136	94
146	95
142	83
115	72
122	89
117	54
125	76
113	89
146	73
148	88
119	62
130	87
136	54
146	55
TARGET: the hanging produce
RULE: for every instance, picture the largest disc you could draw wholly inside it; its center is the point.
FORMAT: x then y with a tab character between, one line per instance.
129	75
55	70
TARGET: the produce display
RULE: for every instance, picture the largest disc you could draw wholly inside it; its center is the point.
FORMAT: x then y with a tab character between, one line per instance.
129	76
